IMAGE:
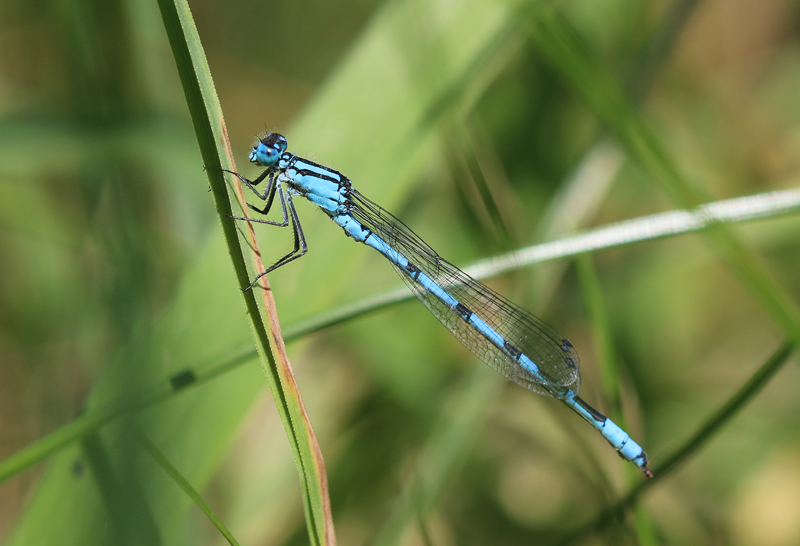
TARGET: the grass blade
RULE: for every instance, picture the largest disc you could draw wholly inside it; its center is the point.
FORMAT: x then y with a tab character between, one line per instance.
696	441
559	43
655	226
184	484
211	133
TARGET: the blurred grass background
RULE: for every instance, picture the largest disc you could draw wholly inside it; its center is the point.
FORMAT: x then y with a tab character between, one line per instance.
449	115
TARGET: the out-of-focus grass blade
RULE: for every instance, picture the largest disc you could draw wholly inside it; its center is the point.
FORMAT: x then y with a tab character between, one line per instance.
97	418
636	230
559	43
205	320
449	443
602	338
610	377
184	484
624	233
702	436
131	521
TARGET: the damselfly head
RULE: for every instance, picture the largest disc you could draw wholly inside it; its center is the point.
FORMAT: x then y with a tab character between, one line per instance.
268	150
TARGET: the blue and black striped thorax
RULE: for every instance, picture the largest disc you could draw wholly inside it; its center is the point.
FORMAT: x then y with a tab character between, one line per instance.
323	186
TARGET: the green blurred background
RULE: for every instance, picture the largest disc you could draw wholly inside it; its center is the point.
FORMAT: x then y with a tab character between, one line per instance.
113	275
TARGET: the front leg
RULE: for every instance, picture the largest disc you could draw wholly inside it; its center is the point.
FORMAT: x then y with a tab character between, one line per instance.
300	246
274	188
256	182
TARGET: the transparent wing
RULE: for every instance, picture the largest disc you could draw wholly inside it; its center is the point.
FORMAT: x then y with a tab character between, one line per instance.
555	356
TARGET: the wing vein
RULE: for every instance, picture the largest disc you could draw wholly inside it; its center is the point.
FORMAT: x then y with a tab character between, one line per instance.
555	356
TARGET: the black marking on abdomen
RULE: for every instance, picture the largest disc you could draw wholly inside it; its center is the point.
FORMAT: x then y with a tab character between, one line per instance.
413	270
589	409
511	350
369	232
464	312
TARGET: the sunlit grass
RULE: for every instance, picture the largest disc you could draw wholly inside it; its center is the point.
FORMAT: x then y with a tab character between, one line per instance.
487	129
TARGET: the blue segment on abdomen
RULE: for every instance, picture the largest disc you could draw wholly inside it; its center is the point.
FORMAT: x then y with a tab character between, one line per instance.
618	438
354	229
500	342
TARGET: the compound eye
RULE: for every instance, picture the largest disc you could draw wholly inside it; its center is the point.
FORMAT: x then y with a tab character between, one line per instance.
269	150
281	144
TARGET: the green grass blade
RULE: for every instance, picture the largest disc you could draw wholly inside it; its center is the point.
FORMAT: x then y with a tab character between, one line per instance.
91	422
662	225
131	521
736	402
214	146
610	377
696	441
559	43
184	484
448	445
602	338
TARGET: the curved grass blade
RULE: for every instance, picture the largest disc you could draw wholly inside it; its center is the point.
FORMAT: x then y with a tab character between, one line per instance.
560	44
645	228
131	520
447	447
655	226
696	441
97	418
211	133
184	484
610	381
